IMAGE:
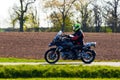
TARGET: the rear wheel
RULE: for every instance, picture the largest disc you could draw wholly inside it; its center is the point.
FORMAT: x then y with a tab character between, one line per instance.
51	56
88	56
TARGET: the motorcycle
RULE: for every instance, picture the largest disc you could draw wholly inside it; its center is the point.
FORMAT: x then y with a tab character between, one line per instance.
86	54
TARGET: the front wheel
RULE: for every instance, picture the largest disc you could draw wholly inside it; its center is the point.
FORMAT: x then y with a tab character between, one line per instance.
88	56
51	56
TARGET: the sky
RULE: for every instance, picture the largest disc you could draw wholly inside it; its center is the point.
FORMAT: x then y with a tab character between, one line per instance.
5	5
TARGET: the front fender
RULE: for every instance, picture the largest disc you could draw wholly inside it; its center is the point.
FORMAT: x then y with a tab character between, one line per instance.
54	49
51	44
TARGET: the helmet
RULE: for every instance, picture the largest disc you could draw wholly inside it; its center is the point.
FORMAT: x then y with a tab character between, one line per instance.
76	27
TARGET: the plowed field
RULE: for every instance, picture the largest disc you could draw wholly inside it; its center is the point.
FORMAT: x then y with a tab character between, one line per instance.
34	44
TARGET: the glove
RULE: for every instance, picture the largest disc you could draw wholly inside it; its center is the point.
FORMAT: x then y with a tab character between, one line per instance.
71	36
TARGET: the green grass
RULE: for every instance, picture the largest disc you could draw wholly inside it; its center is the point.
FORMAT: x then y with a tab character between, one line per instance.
63	79
20	60
31	60
42	60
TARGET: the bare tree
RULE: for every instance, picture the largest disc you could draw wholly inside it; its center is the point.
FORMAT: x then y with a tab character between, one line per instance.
111	14
57	25
20	12
85	13
13	18
97	17
32	20
61	6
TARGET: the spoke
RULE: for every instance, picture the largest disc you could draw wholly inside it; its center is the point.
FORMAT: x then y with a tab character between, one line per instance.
52	56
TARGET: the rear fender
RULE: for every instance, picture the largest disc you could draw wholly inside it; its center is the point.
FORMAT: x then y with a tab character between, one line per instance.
93	52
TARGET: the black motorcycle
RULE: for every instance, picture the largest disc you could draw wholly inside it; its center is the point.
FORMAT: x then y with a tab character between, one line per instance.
86	54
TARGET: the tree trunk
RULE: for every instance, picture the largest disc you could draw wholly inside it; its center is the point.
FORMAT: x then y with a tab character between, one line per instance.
21	22
63	24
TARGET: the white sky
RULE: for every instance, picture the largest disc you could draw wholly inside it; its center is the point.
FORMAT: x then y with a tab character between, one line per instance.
5	5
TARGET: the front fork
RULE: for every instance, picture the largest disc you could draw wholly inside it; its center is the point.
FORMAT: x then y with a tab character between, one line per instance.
59	49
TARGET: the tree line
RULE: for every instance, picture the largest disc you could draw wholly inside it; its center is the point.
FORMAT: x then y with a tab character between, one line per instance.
93	15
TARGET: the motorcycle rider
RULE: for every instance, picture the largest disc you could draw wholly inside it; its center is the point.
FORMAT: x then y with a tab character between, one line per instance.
76	40
78	35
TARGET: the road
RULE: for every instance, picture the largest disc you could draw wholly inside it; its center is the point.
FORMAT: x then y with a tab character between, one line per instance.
116	64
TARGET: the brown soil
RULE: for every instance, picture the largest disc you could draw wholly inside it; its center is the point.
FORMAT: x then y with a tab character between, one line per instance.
34	44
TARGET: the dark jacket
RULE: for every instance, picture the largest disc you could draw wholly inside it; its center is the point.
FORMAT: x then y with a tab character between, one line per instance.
78	38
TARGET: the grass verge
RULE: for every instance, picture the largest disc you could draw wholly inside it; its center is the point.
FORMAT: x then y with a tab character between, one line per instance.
42	60
20	60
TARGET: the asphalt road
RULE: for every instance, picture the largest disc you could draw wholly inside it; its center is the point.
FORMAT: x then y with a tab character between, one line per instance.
116	64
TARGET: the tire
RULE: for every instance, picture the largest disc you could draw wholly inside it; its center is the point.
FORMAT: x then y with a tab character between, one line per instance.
91	57
51	56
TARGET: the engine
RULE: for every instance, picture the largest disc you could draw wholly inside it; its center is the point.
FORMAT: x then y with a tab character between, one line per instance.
66	55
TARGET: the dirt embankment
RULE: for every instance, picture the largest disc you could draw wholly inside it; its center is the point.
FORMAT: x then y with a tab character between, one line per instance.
34	44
